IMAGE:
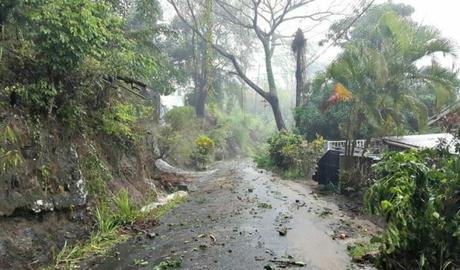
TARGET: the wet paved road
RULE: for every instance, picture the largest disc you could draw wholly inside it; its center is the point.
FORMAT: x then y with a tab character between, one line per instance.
235	219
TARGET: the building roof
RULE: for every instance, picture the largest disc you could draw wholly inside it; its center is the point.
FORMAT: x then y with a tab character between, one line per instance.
421	141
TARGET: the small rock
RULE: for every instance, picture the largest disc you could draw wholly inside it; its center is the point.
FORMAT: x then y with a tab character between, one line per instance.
282	231
183	187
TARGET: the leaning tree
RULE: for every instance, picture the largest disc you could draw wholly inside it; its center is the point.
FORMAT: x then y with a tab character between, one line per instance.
265	20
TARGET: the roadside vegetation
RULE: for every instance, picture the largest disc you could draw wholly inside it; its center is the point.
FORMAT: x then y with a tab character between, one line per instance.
418	194
114	223
82	121
290	155
381	88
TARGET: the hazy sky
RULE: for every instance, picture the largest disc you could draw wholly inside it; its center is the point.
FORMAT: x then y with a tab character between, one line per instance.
443	14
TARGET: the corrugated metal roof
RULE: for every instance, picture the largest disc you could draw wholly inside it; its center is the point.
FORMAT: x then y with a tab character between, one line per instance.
421	141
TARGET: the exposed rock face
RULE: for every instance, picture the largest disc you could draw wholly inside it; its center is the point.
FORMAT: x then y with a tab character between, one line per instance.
29	241
44	201
50	179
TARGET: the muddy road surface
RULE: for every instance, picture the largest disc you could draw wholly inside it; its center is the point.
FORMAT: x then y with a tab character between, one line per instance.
240	217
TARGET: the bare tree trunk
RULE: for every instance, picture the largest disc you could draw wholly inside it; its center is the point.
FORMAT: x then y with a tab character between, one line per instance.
299	49
275	105
200	84
203	61
200	101
302	89
272	96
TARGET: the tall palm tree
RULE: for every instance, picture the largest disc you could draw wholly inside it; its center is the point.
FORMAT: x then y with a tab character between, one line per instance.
385	76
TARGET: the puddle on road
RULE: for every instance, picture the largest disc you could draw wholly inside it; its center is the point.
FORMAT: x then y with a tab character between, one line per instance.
306	239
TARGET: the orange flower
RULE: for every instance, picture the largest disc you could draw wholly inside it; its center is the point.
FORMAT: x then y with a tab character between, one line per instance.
339	94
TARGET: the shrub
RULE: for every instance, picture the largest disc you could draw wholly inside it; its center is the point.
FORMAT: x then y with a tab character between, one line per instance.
202	151
168	141
118	120
181	117
418	193
282	149
96	173
72	113
10	154
291	154
38	96
262	159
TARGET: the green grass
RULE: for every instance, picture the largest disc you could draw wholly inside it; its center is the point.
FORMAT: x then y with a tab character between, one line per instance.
359	250
97	245
126	212
108	233
168	263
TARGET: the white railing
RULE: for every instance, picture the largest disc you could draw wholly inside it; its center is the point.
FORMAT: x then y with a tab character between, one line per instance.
375	147
340	145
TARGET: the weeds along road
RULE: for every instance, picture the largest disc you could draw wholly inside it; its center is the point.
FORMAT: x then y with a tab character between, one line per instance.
240	217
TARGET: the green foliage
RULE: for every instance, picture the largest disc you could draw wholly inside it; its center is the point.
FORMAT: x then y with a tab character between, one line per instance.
60	56
202	151
99	244
168	142
360	250
282	149
117	120
169	263
181	117
237	132
392	92
233	132
108	233
125	211
106	222
72	114
176	138
96	173
69	31
39	97
291	154
418	194
10	155
262	159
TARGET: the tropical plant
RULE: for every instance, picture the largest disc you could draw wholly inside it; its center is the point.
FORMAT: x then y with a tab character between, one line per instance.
418	195
125	212
291	154
382	65
202	151
386	76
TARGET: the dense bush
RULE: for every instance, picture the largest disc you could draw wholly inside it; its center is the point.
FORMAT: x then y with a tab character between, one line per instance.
418	193
291	154
202	151
282	149
181	117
